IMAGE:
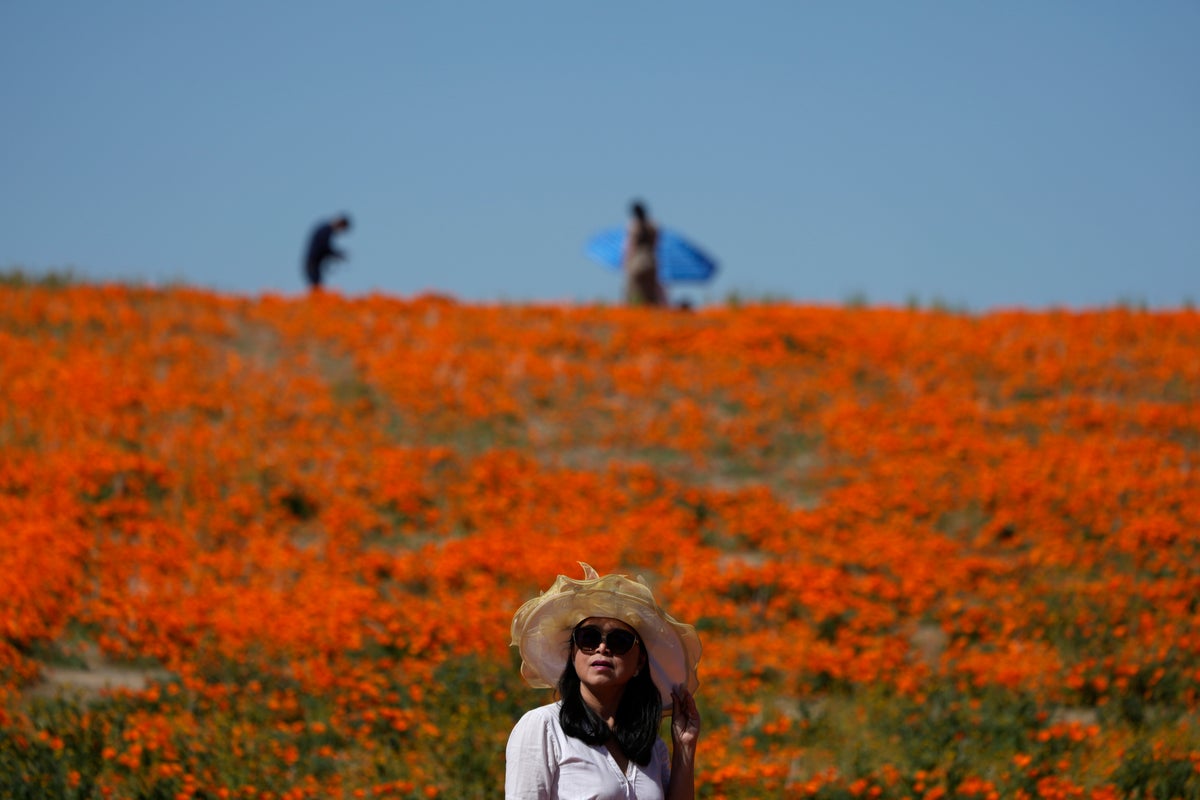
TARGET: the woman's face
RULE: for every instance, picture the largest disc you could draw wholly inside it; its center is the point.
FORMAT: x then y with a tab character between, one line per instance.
603	670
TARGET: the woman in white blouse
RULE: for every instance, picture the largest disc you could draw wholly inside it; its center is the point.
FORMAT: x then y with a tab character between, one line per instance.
618	662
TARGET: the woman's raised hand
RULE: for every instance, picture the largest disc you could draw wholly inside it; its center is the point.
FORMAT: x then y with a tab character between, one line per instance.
685	719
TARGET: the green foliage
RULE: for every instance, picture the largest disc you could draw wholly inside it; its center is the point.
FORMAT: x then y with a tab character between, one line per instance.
53	279
1155	773
856	300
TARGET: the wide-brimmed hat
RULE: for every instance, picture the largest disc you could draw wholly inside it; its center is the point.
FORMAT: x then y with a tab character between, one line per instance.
542	628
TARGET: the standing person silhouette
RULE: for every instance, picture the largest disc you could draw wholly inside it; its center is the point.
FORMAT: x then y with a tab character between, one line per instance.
640	261
619	661
321	250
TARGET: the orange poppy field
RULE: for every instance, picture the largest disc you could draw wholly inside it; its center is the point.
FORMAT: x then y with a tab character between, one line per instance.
271	547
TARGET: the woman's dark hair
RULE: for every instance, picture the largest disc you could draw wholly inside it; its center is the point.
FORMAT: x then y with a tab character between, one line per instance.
638	715
638	210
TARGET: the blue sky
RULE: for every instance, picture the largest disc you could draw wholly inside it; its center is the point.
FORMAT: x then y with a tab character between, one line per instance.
978	154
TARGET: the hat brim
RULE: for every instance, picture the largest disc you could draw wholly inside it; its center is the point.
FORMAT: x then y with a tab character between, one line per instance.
541	629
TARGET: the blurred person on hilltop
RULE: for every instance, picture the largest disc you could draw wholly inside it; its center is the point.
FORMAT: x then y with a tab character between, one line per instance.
619	662
321	250
639	260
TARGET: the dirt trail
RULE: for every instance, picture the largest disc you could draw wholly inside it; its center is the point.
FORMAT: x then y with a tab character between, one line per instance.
96	676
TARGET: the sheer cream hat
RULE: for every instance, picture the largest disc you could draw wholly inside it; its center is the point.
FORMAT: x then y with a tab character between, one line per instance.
542	628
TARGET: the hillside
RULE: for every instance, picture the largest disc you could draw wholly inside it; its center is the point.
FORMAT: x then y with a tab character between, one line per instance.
928	553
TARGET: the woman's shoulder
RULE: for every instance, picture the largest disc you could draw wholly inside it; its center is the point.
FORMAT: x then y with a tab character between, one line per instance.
542	715
537	728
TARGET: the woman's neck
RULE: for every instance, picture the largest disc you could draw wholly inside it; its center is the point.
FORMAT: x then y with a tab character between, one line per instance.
605	704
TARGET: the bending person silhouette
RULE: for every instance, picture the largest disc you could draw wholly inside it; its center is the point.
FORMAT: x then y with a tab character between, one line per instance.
321	250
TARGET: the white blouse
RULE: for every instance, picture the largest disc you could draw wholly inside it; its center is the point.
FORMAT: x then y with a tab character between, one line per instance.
544	763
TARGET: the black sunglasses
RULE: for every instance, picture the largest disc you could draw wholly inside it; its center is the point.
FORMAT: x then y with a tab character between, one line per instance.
589	637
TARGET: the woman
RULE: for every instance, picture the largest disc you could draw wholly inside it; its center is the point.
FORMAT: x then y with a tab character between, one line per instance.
615	657
640	260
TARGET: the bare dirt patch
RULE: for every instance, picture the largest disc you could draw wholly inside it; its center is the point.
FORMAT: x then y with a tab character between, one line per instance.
96	676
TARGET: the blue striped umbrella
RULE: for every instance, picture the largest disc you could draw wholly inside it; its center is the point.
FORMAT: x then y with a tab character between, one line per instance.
678	259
